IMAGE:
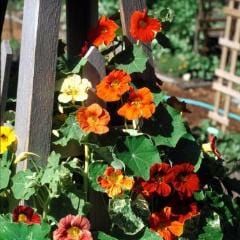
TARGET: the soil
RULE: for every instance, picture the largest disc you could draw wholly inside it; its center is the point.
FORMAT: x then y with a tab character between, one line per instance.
205	94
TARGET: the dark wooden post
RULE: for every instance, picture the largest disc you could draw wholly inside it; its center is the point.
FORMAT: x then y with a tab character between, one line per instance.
36	82
3	7
6	60
81	16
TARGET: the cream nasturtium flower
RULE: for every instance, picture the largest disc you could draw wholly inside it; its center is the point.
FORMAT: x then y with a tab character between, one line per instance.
74	89
7	138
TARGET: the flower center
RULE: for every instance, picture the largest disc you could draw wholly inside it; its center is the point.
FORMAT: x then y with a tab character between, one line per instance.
142	24
104	30
182	177
92	120
72	92
136	102
158	177
4	137
74	232
115	83
22	218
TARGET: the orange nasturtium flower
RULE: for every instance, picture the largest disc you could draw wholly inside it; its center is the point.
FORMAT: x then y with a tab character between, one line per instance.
113	86
143	27
103	33
93	118
114	182
165	225
139	104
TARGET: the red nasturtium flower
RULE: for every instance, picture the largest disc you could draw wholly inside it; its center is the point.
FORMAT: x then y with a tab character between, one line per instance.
73	228
114	182
140	104
113	86
104	33
143	27
25	214
166	225
93	118
158	182
184	180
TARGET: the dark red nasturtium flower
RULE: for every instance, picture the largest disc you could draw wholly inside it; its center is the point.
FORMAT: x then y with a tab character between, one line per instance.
73	228
184	180
143	27
25	214
158	182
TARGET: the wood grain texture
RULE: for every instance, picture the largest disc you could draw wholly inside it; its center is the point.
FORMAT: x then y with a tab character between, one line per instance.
6	60
36	82
3	7
81	16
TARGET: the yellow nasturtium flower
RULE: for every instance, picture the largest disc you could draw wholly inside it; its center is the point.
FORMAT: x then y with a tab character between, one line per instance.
74	89
7	138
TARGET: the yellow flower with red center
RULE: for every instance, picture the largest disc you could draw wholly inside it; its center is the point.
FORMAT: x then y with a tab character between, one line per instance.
139	104
211	146
113	86
114	182
7	138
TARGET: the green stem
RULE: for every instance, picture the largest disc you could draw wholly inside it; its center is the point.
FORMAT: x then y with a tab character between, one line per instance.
86	167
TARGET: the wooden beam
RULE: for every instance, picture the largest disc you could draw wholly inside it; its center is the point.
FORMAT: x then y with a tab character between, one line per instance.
3	7
232	12
36	83
94	71
226	90
219	118
230	44
228	76
6	60
81	16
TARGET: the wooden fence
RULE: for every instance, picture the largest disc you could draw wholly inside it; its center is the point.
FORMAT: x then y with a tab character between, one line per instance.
227	80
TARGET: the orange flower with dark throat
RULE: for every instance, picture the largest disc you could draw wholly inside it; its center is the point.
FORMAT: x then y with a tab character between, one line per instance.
139	104
25	214
143	27
166	224
104	33
184	180
114	182
93	118
113	86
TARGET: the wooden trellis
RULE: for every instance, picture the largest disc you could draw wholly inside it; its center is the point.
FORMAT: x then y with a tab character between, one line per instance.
227	79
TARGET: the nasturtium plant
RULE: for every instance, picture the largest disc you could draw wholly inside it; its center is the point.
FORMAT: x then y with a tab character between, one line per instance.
124	164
